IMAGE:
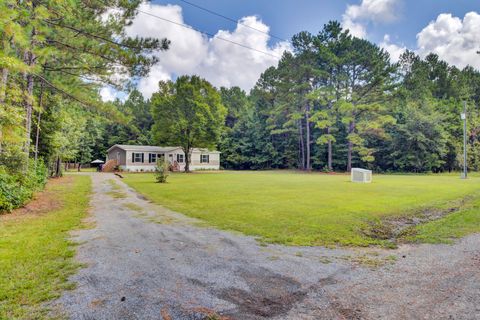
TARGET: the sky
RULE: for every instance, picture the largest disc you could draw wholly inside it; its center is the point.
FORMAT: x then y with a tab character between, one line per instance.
450	28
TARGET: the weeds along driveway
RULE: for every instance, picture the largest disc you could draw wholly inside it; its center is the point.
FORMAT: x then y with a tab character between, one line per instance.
143	261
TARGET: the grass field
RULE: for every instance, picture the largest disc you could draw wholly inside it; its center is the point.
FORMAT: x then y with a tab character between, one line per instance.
83	170
35	255
313	209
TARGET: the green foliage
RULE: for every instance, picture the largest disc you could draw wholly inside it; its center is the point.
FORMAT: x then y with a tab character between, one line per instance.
188	113
36	257
162	171
334	102
16	189
420	140
54	56
337	101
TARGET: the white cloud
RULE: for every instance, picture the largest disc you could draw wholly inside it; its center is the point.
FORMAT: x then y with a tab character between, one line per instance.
393	49
357	29
357	17
107	94
218	61
149	85
453	39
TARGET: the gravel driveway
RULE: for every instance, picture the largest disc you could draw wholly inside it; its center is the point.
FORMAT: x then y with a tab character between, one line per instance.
146	262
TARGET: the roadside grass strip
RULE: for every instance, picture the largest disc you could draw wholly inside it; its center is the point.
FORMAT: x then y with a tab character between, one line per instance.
36	257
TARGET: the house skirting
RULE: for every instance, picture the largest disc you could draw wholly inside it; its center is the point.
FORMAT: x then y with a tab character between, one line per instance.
150	168
204	167
138	168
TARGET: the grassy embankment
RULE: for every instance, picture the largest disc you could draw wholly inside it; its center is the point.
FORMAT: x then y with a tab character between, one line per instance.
36	257
314	209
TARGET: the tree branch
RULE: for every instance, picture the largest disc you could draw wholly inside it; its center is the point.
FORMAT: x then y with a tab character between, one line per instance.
70	96
84	50
78	31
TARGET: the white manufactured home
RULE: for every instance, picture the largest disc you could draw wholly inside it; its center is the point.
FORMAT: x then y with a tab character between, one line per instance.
144	158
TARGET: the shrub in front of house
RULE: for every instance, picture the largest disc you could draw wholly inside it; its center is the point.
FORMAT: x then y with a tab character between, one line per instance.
162	170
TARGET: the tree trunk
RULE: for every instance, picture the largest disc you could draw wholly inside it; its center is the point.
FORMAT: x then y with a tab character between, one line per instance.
351	128
30	60
40	109
3	90
302	146
58	167
187	159
329	151
329	144
37	137
3	85
28	115
307	133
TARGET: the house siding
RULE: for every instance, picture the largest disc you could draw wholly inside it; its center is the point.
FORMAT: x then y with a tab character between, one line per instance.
112	154
213	163
171	156
145	158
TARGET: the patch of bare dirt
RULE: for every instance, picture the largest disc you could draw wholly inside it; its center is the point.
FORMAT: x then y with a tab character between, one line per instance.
394	228
42	202
346	312
209	314
270	294
476	260
165	314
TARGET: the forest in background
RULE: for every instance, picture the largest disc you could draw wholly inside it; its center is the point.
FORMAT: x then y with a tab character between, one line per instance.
333	103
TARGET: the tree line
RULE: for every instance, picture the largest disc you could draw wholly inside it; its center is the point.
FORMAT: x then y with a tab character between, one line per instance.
54	57
335	102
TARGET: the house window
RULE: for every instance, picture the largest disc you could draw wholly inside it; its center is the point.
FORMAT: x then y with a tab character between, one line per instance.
204	158
137	157
180	158
152	157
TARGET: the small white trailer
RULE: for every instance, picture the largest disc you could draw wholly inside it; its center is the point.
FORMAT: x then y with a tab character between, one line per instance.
361	175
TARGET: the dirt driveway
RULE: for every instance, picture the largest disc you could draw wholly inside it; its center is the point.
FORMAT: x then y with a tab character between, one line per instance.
146	262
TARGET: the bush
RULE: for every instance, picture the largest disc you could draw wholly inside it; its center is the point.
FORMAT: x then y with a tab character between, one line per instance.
162	171
16	188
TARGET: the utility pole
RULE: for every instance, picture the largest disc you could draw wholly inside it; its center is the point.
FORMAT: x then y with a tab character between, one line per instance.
464	118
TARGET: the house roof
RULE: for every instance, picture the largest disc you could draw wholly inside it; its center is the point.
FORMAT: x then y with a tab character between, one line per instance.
204	150
141	148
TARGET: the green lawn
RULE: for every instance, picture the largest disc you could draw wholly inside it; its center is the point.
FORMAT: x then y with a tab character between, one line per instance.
35	255
313	209
455	225
82	170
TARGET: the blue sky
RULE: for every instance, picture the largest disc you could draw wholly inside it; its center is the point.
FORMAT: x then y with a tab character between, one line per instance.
449	28
287	17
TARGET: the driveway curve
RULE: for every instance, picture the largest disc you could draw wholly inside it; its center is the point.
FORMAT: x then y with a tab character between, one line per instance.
143	261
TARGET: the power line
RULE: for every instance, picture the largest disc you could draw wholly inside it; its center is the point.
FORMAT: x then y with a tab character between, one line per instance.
208	34
232	20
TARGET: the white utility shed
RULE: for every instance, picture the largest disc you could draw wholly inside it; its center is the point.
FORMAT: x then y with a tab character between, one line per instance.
361	175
